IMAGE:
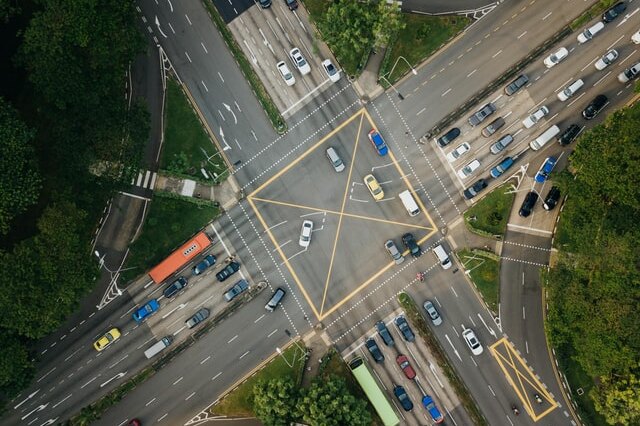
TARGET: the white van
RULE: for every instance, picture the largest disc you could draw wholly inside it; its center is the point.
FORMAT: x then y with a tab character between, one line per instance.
442	256
545	137
158	347
590	32
409	202
570	90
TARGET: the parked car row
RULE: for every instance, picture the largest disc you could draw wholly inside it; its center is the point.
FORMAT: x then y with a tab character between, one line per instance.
300	63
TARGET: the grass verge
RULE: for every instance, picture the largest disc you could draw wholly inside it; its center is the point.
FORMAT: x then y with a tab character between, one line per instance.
421	37
592	12
239	402
250	75
187	147
484	270
489	216
417	320
170	222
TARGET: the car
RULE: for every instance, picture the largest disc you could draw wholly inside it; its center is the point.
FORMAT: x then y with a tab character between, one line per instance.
227	271
535	116
545	169
458	152
403	363
590	32
501	144
556	57
475	189
516	84
237	289
378	142
570	90
430	406
448	137
299	61
635	38
614	11
480	115
629	73
607	59
197	318
286	74
291	4
472	341
498	170
175	287
332	72
393	251
265	3
136	422
528	204
143	312
106	339
374	350
334	159
405	329
374	187
493	127
552	198
305	233
410	243
403	397
569	134
467	170
433	313
594	107
209	260
383	331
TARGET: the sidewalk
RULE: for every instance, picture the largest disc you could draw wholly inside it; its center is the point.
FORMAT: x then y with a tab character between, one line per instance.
366	85
318	344
459	236
227	194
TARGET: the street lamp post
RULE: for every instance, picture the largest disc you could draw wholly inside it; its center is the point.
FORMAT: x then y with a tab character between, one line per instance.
413	70
382	77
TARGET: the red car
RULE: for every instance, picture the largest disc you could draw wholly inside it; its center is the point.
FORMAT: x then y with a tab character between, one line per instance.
403	362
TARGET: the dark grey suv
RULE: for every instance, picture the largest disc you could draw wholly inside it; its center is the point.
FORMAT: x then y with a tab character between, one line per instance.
516	84
482	114
174	288
383	331
197	318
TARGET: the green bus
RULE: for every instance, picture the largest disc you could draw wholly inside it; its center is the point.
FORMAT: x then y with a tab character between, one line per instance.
373	392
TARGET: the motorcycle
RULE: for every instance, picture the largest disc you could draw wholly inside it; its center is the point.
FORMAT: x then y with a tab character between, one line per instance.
537	398
515	410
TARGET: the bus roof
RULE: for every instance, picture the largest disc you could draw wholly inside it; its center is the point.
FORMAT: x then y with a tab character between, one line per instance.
372	390
180	257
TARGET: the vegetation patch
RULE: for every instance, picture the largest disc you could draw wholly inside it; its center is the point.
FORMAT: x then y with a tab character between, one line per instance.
594	11
483	268
489	216
170	222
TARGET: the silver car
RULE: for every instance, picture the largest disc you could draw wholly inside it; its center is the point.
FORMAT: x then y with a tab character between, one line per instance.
197	318
435	317
394	252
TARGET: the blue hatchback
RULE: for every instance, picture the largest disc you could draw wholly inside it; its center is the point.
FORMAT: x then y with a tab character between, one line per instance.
547	167
435	414
498	170
143	312
209	260
378	142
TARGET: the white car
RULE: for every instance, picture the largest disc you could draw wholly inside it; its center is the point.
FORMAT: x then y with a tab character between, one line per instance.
332	72
536	116
607	59
635	38
299	60
629	73
458	152
305	233
472	341
556	58
467	170
285	73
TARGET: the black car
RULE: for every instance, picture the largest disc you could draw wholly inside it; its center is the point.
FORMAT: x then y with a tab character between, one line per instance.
480	115
227	271
409	242
374	350
448	137
570	133
475	189
402	396
174	288
613	12
383	331
528	203
595	107
552	198
291	4
404	328
516	84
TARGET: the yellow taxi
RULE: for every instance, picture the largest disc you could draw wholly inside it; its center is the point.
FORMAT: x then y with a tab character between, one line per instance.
374	187
106	339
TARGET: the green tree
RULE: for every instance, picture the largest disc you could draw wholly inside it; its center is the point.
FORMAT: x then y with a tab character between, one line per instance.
274	401
16	368
618	399
329	403
388	22
19	177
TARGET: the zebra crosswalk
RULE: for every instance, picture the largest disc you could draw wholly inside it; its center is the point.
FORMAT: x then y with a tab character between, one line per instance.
146	179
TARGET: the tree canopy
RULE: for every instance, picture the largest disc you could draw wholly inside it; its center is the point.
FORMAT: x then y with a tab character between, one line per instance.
329	403
274	402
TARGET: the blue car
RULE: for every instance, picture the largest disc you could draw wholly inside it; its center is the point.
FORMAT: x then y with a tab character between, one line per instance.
143	312
378	142
209	260
402	396
435	414
547	167
498	170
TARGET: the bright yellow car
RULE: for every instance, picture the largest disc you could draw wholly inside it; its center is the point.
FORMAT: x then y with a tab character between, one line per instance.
106	339
374	187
